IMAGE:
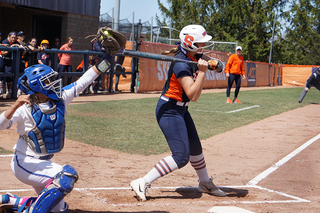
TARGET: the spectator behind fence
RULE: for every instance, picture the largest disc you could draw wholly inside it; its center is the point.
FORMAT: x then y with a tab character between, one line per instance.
6	64
1	41
30	58
20	38
119	68
44	58
56	44
96	46
65	59
92	62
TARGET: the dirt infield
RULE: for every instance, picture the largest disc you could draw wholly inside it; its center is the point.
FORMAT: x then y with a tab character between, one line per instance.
234	159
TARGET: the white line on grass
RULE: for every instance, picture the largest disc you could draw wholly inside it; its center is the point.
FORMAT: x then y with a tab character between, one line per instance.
274	167
238	110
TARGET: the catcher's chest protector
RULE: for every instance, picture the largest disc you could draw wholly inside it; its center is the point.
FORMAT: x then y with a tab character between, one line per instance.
48	135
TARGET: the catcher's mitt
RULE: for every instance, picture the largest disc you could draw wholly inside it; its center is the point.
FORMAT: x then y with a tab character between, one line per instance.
216	65
111	39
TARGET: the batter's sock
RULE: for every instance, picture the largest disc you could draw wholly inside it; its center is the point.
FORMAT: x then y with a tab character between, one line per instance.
163	167
199	164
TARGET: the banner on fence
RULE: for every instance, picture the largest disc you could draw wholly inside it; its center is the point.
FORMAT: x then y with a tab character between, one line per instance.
154	73
296	75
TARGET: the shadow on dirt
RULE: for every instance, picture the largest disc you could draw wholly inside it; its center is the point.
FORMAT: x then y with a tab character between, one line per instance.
192	193
231	192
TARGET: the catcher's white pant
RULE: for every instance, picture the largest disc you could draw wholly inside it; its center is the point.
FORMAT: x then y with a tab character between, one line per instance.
35	172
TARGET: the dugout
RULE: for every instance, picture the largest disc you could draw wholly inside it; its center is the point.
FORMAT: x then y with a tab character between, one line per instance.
50	19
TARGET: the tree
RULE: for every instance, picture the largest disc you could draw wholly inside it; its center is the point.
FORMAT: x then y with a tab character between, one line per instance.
301	44
247	21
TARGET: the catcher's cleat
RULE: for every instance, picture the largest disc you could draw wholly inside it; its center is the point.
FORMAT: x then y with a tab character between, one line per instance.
229	101
140	186
4	199
236	100
20	204
210	188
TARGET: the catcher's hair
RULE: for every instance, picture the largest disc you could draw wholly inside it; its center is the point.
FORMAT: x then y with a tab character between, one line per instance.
173	50
34	99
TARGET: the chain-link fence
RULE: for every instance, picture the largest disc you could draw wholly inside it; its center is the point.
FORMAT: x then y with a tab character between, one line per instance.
132	32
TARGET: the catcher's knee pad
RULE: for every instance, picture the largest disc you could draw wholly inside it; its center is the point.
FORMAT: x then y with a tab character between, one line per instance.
61	185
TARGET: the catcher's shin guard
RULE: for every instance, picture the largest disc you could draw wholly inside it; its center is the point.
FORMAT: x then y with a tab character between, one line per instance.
61	185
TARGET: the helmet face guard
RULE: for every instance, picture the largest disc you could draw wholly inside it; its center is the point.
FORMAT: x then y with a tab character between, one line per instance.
41	78
190	35
51	83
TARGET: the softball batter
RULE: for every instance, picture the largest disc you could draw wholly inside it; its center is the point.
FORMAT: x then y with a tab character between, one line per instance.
184	84
40	119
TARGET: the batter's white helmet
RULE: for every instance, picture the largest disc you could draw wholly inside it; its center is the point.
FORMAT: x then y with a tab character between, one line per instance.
192	34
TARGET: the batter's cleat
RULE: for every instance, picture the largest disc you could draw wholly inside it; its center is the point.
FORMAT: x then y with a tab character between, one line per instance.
300	102
236	100
140	186
210	188
229	101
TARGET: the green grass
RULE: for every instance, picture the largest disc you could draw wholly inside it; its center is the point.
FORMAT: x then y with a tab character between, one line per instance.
3	151
130	125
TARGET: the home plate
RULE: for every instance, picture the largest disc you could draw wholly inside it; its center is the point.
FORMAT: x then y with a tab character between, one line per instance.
228	209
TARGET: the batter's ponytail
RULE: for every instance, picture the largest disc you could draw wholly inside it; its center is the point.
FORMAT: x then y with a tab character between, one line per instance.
173	50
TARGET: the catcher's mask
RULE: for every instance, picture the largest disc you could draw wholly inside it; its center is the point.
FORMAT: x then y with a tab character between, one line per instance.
192	34
41	78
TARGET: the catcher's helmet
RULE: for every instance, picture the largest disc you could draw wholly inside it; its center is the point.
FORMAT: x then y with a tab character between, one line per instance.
192	34
41	78
44	41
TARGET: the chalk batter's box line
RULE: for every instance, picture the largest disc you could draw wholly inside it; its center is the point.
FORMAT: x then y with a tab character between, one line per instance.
294	199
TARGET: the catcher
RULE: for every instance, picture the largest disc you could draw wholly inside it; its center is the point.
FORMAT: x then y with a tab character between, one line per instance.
40	118
184	84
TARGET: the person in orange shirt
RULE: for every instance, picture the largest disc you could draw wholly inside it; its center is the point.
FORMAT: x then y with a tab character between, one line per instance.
65	59
234	70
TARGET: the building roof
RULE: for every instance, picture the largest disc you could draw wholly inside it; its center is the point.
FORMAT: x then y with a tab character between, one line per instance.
82	7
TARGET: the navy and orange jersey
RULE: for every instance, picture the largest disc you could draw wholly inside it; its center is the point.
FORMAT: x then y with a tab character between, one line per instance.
313	80
172	88
6	41
96	46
